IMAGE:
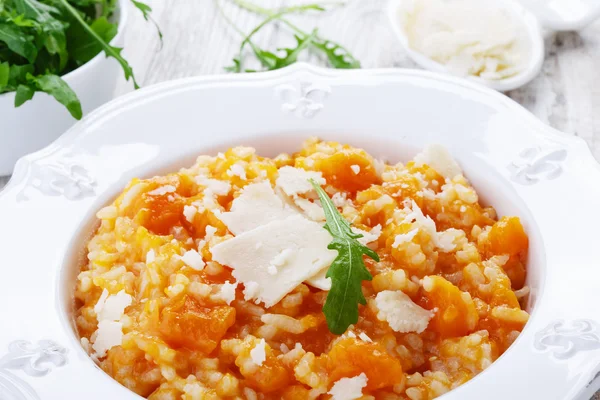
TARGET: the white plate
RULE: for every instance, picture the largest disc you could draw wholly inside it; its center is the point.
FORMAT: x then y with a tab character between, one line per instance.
519	165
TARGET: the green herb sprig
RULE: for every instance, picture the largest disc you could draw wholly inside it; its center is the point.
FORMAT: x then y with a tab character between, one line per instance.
347	271
41	40
336	54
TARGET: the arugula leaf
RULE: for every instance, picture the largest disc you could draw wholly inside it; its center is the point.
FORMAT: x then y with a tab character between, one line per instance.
56	43
55	40
247	39
146	10
60	90
23	94
35	10
143	7
4	75
110	51
236	67
18	41
338	56
292	54
82	47
20	20
18	74
272	61
347	271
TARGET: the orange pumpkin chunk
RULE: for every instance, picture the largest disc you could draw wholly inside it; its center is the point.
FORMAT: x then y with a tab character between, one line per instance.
456	314
123	364
508	237
270	377
296	392
338	170
350	357
189	324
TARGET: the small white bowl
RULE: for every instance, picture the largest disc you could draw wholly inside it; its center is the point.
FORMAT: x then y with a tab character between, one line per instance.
520	13
41	120
564	15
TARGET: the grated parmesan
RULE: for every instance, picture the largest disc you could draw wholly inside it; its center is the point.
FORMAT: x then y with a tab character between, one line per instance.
219	188
365	337
111	307
108	335
189	212
437	157
400	312
237	170
370	236
150	256
193	260
349	388
295	181
162	190
227	292
258	353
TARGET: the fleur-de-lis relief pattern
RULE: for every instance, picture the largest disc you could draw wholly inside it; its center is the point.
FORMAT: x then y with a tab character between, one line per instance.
303	99
33	360
565	339
62	177
535	164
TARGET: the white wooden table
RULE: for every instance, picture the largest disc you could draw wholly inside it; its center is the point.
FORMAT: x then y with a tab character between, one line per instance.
197	40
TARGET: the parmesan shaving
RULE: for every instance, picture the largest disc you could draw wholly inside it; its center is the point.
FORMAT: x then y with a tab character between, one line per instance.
469	37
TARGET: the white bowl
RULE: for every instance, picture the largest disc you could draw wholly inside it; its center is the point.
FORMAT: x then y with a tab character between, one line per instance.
42	119
519	165
564	15
534	39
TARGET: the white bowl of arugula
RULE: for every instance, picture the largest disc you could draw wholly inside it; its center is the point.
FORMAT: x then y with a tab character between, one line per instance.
52	71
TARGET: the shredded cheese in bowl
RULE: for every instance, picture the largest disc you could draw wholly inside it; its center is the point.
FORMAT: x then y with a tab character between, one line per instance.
469	37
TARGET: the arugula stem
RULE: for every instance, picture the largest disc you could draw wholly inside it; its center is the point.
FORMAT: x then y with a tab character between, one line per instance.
227	19
276	15
273	17
269	19
266	12
254	8
246	5
109	50
254	48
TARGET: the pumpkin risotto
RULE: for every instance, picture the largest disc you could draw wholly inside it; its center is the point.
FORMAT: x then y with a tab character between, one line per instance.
210	283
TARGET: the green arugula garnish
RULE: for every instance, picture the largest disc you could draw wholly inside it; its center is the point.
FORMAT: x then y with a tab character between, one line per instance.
109	50
146	10
41	40
347	271
337	55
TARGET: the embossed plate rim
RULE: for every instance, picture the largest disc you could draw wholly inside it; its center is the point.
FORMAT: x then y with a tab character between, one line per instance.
306	111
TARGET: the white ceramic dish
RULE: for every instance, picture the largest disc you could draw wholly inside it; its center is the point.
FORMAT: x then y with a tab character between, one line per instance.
520	166
41	120
532	29
564	15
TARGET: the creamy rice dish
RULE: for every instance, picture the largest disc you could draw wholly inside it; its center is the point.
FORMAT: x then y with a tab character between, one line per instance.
210	283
